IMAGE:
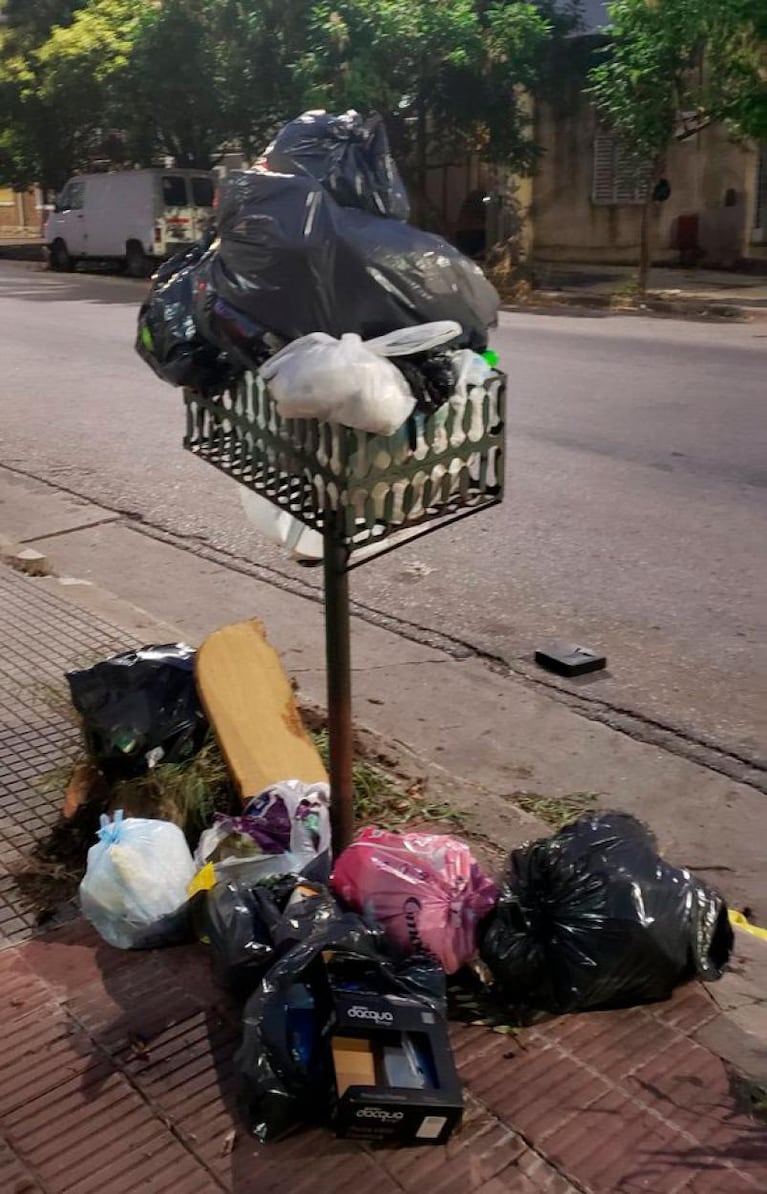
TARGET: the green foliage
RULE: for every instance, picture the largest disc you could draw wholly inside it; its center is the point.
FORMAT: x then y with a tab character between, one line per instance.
671	66
133	80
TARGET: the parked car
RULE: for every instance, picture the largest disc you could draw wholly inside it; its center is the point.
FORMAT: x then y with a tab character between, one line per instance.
136	217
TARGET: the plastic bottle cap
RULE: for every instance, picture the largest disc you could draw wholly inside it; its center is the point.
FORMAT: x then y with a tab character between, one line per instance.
491	356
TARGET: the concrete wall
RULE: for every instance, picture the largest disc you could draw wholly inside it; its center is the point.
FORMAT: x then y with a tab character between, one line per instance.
18	212
568	226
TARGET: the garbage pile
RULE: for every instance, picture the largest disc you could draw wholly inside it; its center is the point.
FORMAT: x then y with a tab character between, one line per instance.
341	966
311	271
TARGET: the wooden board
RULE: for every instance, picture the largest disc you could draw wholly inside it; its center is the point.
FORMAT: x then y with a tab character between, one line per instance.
250	704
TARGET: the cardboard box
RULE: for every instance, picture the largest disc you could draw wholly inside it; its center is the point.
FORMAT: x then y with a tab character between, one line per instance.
395	1076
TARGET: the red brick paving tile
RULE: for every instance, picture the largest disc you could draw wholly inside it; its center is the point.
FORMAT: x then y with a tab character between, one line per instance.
134	1001
537	1094
615	1048
73	956
492	1066
21	991
512	1183
16	1177
584	1025
68	1134
189	967
719	1180
688	1010
39	1058
690	1088
476	1044
545	1178
330	1171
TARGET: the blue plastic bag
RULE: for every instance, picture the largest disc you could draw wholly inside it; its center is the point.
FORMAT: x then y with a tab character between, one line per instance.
134	892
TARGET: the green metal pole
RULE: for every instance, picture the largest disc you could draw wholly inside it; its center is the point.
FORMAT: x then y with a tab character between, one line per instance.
339	681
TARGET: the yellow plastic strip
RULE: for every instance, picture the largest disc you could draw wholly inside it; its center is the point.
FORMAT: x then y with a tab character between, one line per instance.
739	921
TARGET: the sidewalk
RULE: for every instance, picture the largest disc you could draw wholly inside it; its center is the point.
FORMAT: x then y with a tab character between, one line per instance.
116	1072
685	291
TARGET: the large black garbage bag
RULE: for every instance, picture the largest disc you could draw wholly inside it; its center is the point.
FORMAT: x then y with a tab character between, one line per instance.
250	925
140	708
294	262
285	1062
349	155
168	337
594	918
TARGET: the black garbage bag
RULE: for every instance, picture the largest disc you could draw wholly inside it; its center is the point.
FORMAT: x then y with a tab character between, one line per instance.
140	708
285	1062
250	925
246	344
431	377
294	262
168	337
349	155
594	918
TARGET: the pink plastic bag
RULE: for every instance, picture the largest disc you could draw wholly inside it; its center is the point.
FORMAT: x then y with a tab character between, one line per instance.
425	890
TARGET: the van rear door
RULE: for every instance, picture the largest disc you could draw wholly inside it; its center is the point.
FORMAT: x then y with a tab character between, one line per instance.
203	196
177	217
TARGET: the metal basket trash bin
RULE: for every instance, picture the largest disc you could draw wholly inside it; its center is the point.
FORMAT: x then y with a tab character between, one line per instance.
365	494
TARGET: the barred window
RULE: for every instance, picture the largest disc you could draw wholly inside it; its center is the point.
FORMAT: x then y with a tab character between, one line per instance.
619	176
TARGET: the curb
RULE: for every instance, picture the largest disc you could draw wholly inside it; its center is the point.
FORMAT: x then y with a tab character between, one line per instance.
22	252
546	300
24	559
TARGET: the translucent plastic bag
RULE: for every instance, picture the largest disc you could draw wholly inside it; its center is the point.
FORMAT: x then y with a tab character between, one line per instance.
425	890
338	381
282	528
291	818
134	890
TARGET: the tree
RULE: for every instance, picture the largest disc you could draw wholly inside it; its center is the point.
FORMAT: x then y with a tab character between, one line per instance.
670	68
448	75
133	80
52	94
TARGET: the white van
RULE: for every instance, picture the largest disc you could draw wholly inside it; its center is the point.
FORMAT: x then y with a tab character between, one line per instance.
136	217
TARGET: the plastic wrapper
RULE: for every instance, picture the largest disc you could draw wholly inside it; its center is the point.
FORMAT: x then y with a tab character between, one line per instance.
338	381
249	926
168	337
349	155
246	344
140	708
294	262
425	890
284	1062
289	818
134	889
594	918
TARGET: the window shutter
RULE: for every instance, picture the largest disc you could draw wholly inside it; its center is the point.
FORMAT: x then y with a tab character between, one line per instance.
619	178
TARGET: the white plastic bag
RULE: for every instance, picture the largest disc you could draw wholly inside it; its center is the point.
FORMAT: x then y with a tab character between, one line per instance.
407	341
134	890
282	528
338	381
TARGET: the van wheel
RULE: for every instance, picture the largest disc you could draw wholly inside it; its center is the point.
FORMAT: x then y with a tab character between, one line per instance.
136	261
60	258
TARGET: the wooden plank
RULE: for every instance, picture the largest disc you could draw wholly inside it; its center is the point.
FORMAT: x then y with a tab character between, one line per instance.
250	704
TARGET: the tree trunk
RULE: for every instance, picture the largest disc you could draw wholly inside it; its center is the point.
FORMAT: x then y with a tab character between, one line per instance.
645	253
421	159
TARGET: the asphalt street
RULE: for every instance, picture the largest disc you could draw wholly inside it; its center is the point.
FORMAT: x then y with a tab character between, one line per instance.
635	519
